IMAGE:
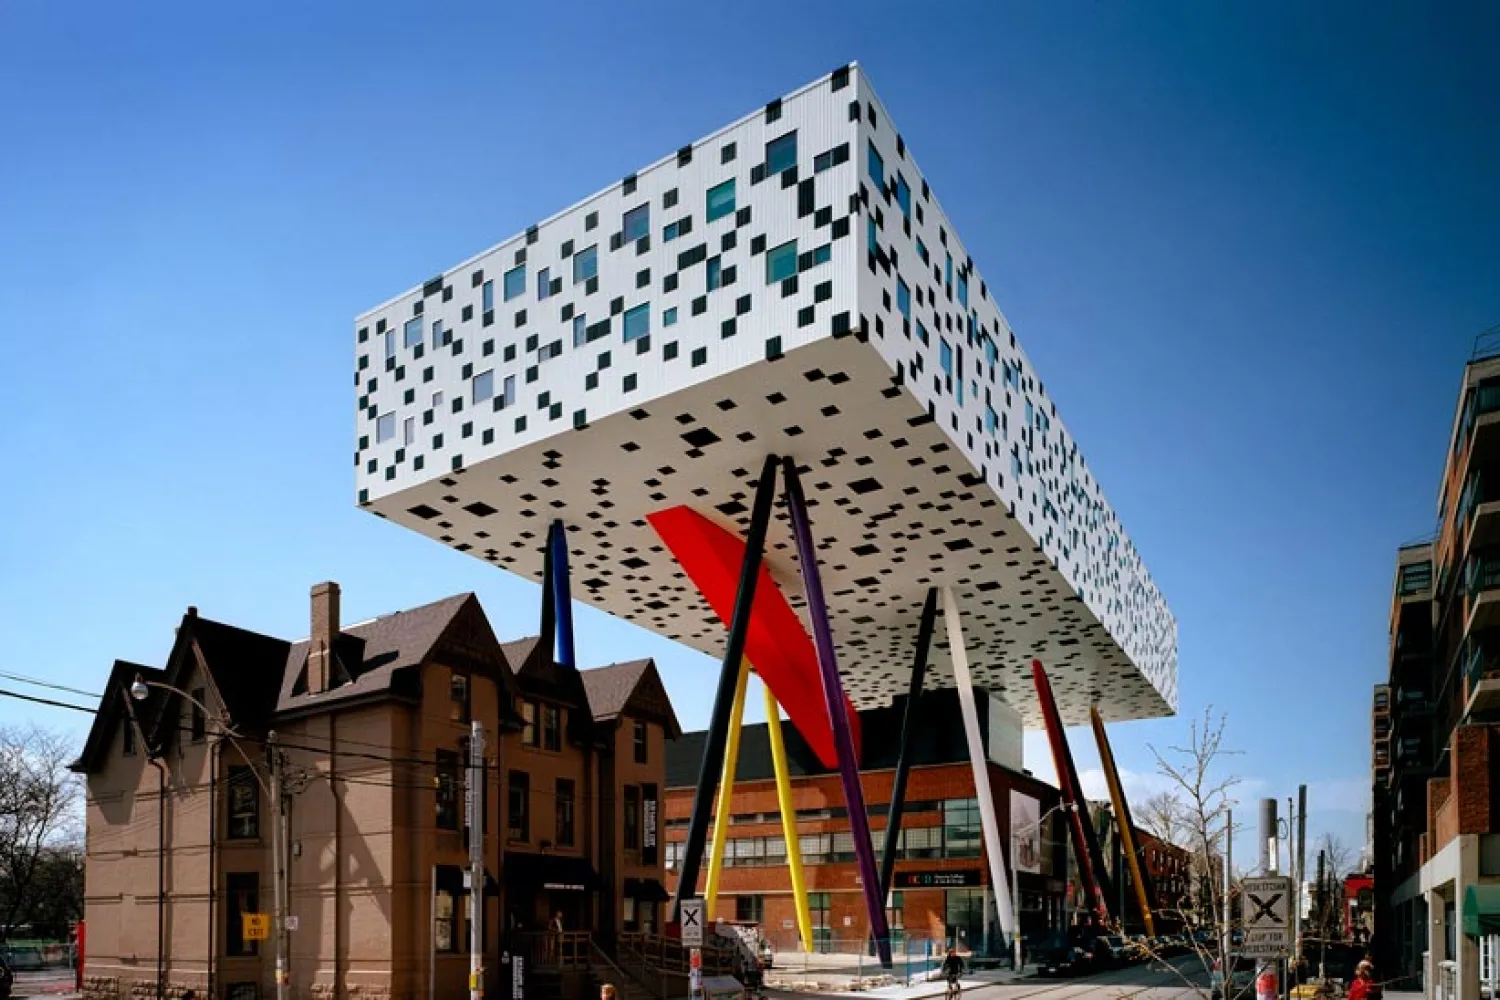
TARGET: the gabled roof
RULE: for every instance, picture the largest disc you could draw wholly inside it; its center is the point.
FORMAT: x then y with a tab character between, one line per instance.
633	685
244	669
113	706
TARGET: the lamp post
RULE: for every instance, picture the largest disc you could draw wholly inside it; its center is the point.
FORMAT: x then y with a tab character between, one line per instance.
1015	869
140	690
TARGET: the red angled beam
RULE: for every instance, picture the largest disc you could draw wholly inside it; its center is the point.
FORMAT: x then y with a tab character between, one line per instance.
776	644
1085	848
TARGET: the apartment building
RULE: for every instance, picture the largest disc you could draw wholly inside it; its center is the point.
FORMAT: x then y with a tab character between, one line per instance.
363	730
1173	875
941	890
1436	723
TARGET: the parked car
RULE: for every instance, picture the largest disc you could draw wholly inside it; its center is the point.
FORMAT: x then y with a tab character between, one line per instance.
1056	955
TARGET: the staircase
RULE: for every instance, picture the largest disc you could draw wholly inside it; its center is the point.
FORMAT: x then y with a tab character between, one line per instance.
603	969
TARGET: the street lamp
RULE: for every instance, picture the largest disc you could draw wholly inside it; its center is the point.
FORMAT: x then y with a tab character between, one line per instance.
1015	869
140	690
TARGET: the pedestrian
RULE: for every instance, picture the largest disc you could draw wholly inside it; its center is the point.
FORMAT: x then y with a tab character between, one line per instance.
1363	987
555	936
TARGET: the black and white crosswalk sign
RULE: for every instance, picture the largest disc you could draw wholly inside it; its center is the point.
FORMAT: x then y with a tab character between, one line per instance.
692	922
1265	916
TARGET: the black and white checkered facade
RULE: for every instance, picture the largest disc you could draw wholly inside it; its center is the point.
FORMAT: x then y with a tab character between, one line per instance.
650	345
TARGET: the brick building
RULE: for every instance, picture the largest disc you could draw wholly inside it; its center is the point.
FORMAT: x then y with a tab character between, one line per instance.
1436	720
941	889
371	725
1173	873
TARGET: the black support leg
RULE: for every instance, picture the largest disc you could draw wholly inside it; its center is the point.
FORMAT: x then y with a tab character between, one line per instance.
729	672
903	759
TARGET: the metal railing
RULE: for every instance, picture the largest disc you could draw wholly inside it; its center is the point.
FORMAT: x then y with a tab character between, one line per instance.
554	949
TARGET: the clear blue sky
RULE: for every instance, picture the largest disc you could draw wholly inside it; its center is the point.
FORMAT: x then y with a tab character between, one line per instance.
1247	247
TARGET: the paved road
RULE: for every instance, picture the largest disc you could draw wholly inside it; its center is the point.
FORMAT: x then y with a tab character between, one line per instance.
1156	981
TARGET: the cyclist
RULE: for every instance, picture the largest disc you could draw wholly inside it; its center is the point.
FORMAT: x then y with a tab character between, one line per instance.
953	966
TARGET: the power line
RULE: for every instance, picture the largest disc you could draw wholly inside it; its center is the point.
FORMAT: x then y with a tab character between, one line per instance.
47	684
47	701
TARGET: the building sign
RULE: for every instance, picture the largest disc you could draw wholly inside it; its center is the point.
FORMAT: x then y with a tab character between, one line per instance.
648	824
1026	832
562	886
255	926
938	880
517	977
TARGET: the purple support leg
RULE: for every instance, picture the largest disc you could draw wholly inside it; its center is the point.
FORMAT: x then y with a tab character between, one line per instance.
833	695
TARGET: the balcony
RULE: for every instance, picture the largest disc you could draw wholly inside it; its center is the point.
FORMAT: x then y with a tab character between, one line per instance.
1481	679
1414	582
1479	509
1481	420
1482	585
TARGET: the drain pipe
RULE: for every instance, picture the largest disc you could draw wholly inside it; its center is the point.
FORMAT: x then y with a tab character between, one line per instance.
161	878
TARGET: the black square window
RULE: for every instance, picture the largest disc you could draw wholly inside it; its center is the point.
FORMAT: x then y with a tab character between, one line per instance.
773	348
727	328
510	352
742	305
628	383
773	111
700	357
757	245
520	424
468	314
643	278
567	247
805	316
590	222
669	350
669	199
591	381
700	305
742	216
669	283
729	241
726	155
628	184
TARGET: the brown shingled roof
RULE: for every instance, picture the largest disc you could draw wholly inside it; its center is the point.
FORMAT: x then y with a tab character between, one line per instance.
634	684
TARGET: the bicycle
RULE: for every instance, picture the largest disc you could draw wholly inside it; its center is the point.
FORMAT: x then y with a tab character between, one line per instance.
954	990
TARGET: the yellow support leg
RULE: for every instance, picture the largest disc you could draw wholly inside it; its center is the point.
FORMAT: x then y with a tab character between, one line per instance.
1122	815
726	790
789	822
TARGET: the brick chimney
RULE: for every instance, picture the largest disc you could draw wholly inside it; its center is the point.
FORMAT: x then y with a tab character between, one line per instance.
325	628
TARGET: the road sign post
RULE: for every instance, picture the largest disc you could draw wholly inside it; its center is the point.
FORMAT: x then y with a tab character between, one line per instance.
693	915
1265	916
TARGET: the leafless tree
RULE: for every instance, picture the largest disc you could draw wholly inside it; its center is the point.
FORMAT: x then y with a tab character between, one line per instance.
1194	814
1165	815
39	811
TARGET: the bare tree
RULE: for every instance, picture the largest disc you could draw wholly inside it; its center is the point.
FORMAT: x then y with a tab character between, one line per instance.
1338	857
1195	814
1165	815
39	801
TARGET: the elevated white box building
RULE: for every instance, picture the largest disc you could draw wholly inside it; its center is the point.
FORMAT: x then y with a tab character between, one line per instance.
787	285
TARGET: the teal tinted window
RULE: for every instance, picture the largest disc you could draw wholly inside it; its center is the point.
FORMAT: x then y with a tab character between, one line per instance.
781	262
715	273
921	332
781	153
669	233
411	334
903	196
877	168
922	251
903	298
874	234
487	295
963	290
637	223
945	357
637	322
585	264
669	317
721	200
823	254
515	282
949	278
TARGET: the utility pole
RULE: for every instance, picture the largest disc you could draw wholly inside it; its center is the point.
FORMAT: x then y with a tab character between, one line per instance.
278	849
1270	860
475	810
1226	939
1301	867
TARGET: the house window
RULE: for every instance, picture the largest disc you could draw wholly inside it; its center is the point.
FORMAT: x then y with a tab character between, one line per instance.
715	271
129	737
518	805
877	169
636	223
637	322
544	284
564	812
638	737
529	731
632	816
721	200
484	386
458	693
585	264
242	896
551	727
447	790
448	882
515	282
244	803
411	333
200	723
487	296
781	153
781	262
903	298
385	427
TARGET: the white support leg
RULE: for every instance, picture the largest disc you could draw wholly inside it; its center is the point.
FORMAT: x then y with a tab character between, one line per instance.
999	872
